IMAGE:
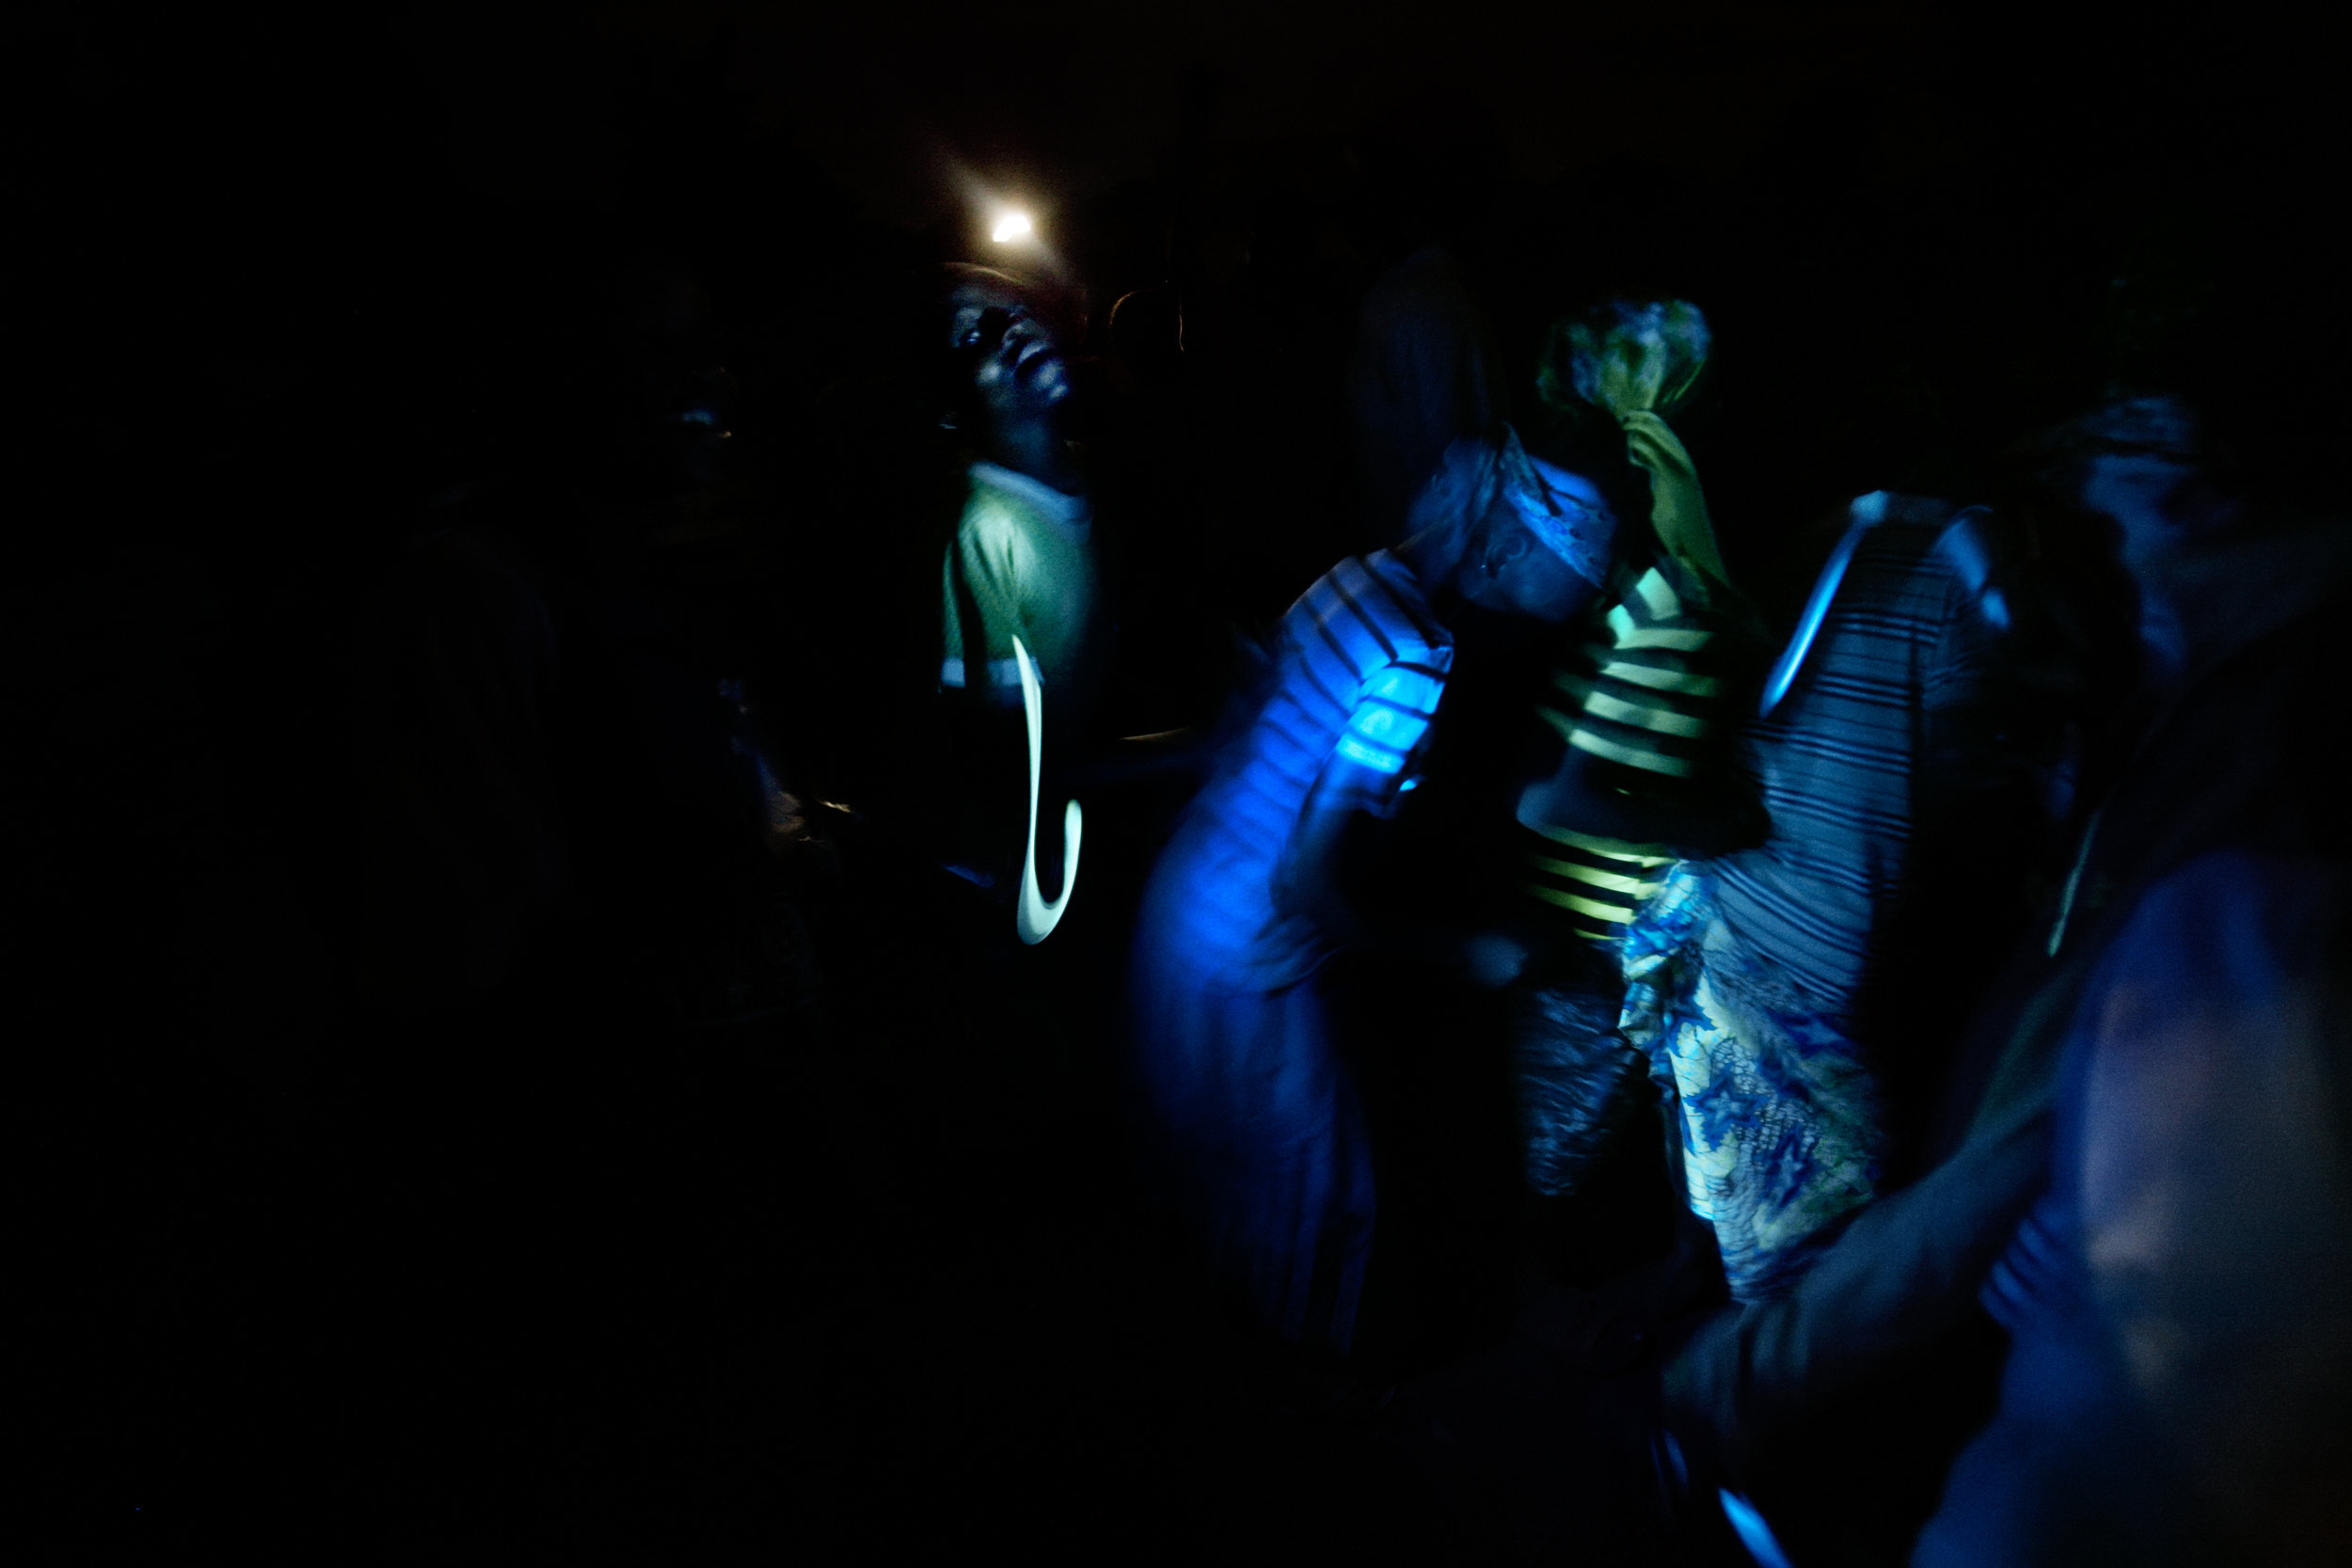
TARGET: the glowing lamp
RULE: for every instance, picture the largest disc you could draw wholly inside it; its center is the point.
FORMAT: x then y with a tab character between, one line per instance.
1013	226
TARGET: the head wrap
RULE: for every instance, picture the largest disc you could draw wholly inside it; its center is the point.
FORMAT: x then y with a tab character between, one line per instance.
1635	361
1627	357
1479	473
1570	527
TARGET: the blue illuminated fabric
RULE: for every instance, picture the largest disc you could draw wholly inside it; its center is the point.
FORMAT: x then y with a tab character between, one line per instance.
1576	1081
1649	703
1840	762
1745	973
1577	534
1244	1103
1776	1111
1360	669
1253	1126
2177	1373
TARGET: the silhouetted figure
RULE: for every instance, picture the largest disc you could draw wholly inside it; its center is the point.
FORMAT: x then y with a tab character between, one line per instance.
2198	899
2180	1342
1636	719
463	835
1424	375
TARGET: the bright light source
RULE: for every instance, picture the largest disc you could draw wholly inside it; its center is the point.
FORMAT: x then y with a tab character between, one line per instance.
1013	226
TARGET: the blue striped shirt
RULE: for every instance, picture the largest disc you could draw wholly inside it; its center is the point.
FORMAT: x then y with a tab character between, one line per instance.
1359	673
1838	762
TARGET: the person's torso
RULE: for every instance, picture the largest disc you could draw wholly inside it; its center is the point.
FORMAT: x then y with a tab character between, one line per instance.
1366	616
2246	757
1023	563
1837	766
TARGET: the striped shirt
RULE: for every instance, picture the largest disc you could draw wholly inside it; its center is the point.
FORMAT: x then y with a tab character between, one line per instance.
1650	702
1838	762
1645	700
1358	672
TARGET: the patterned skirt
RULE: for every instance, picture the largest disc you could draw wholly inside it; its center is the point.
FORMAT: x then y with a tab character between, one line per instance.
1781	1137
1578	1083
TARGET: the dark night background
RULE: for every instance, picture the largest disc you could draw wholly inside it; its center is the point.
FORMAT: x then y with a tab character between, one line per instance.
540	1274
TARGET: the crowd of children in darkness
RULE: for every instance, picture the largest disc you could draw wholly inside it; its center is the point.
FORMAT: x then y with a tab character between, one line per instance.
679	893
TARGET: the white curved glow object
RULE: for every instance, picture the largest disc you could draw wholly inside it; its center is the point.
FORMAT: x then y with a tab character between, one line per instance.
1035	919
1013	226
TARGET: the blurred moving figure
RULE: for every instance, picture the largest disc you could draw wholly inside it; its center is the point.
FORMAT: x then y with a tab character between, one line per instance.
546	719
1748	965
1424	375
1022	563
2180	1298
463	843
2151	1191
1638	717
1750	971
1247	1102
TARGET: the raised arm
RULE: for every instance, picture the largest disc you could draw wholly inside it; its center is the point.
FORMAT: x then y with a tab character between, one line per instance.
1356	789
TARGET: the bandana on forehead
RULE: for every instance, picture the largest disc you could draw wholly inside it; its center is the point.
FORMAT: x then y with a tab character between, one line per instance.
1479	473
1576	531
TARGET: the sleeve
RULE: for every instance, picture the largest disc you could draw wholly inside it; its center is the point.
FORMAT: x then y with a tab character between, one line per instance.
1995	704
987	582
2203	1136
1998	624
1384	738
1906	1272
1904	1278
1973	785
1958	665
2182	1350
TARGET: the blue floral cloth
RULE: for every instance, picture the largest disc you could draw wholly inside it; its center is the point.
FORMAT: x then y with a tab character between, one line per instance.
1780	1135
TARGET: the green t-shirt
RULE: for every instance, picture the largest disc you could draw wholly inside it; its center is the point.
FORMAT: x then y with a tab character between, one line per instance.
1022	564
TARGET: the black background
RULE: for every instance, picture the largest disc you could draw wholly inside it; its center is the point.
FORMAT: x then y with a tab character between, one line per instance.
537	1283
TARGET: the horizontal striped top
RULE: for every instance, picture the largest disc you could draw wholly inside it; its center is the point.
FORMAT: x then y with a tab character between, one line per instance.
1598	883
1646	697
1839	761
1358	672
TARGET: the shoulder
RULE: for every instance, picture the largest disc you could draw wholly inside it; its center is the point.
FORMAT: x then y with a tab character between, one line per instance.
993	536
2229	923
1916	572
1909	539
1373	607
1027	502
989	514
2213	1039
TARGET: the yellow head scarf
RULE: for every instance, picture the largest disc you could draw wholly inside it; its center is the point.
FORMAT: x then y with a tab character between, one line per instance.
1636	362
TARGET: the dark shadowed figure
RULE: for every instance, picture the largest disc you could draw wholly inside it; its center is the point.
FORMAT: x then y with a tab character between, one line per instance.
1424	373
